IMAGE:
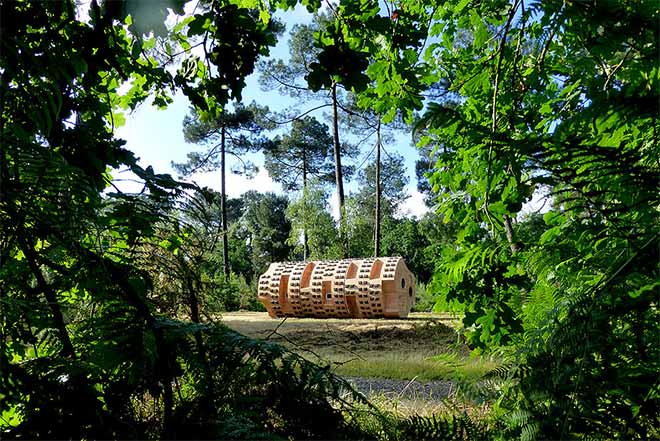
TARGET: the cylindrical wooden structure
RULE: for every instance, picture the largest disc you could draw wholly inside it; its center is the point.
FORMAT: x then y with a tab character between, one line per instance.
364	288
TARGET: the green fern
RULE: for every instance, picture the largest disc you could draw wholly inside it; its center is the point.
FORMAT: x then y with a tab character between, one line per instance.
450	428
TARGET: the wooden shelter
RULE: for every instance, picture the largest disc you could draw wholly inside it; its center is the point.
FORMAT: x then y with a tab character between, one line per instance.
364	288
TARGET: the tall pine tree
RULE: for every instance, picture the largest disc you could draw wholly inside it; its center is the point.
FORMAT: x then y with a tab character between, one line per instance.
232	132
303	153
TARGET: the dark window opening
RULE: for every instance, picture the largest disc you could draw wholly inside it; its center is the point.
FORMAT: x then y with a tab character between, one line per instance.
403	283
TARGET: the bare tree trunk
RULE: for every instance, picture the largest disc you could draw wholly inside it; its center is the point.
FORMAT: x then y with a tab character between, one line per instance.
168	405
510	236
304	173
199	339
48	292
223	208
378	196
193	303
338	172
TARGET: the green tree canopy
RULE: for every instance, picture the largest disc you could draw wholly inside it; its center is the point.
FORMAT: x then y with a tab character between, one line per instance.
242	128
394	180
266	228
311	221
303	153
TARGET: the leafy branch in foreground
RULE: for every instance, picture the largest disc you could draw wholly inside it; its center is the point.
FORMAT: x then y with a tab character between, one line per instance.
535	98
84	351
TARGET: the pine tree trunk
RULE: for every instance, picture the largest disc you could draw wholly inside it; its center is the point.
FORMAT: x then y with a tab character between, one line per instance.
378	196
305	239
223	208
338	172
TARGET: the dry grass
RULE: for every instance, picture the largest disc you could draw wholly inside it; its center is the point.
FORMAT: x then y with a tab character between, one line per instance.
424	346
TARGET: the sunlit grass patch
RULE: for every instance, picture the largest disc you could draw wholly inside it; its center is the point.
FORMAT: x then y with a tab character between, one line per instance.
466	368
393	365
423	367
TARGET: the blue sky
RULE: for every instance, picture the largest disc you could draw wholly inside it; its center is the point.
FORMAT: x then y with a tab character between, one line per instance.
156	137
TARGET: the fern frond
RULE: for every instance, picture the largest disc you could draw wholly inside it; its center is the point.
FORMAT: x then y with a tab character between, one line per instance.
451	428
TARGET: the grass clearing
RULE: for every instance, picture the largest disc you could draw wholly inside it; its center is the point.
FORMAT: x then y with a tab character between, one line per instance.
424	347
404	366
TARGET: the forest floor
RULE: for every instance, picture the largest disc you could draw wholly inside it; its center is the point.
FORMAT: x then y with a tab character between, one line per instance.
411	364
